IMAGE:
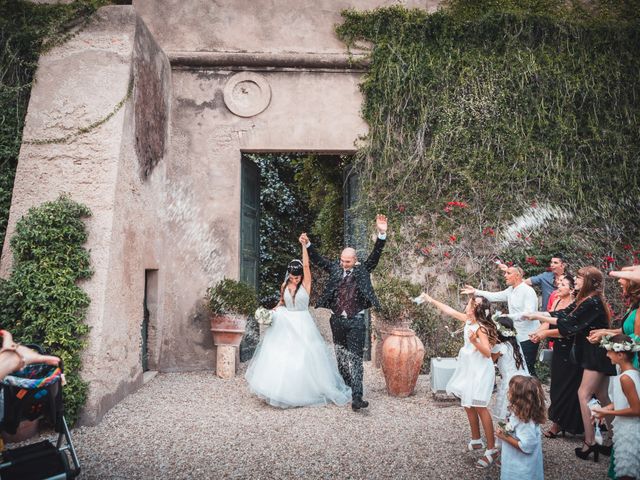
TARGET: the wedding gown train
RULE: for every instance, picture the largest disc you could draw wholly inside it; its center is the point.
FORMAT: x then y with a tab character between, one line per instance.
292	365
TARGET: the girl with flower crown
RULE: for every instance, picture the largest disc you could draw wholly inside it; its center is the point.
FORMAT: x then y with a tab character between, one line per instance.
474	376
508	355
625	460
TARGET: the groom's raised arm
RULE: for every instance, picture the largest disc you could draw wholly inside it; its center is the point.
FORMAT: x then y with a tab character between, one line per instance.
374	257
316	258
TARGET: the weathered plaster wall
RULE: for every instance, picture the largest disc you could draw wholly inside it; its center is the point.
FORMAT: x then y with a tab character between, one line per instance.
251	26
99	169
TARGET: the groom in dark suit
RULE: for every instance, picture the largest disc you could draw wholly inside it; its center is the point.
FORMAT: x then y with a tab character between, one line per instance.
348	294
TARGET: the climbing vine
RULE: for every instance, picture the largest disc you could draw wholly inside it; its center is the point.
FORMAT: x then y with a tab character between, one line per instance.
501	128
26	31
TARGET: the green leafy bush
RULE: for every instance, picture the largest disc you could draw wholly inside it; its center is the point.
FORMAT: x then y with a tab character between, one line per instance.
232	297
41	301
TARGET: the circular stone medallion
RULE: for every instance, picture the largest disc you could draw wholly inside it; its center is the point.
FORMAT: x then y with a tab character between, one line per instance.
247	94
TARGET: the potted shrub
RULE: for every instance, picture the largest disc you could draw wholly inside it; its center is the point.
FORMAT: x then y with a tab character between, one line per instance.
401	352
230	303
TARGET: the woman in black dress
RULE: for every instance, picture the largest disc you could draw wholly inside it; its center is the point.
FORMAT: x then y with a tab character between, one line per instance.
566	376
587	313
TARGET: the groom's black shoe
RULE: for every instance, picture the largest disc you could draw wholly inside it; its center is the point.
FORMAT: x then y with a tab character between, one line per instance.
357	403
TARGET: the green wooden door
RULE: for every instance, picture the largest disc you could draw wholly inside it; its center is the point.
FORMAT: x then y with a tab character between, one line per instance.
250	223
249	245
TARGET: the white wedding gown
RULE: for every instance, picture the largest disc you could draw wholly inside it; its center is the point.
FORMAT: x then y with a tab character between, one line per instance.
292	366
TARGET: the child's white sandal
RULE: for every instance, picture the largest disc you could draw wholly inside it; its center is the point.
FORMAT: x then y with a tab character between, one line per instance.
473	442
487	459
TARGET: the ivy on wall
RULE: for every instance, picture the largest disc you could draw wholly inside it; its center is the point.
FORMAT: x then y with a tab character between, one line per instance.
41	302
501	128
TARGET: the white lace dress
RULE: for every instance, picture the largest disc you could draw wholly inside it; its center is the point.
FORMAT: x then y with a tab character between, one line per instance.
626	431
293	366
507	368
474	376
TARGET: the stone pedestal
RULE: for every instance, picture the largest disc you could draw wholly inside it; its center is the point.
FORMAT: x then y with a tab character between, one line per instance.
226	361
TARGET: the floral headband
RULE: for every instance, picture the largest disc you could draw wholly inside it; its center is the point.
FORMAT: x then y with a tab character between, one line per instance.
607	344
502	330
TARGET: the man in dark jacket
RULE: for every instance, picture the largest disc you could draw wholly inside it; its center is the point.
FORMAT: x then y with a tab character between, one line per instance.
348	293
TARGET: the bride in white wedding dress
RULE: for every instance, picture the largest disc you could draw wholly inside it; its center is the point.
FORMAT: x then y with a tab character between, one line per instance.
292	366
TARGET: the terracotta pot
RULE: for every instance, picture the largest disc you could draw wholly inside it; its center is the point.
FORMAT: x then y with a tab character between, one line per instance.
402	356
228	329
377	340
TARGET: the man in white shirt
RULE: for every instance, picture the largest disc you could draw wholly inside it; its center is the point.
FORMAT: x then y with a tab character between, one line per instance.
521	298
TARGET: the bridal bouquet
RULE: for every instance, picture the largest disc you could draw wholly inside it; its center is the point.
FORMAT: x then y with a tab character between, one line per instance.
264	316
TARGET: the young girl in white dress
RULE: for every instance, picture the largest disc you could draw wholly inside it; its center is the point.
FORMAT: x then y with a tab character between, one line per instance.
292	365
625	407
474	376
507	354
521	435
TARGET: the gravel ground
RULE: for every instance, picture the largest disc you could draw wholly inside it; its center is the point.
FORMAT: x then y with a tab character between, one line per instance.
194	425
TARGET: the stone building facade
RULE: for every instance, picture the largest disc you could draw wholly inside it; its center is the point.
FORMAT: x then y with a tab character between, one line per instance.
203	82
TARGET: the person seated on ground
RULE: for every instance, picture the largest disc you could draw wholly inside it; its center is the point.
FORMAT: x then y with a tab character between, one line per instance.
14	356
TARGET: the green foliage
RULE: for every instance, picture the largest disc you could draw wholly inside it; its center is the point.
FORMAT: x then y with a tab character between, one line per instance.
41	302
397	309
322	179
27	30
298	193
487	114
395	296
232	297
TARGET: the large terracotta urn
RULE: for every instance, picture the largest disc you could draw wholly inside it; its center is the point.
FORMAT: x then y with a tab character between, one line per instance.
402	356
227	331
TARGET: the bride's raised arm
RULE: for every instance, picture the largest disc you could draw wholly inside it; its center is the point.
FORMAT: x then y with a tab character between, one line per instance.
306	269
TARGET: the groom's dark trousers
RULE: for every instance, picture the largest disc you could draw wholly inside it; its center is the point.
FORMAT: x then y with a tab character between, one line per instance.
341	295
348	338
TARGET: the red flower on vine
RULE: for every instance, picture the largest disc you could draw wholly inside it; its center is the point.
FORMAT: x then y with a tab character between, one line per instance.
519	235
489	232
509	264
453	239
425	251
447	254
532	261
450	206
608	260
627	247
401	207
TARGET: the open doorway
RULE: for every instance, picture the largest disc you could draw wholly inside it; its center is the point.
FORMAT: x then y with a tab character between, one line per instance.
284	194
